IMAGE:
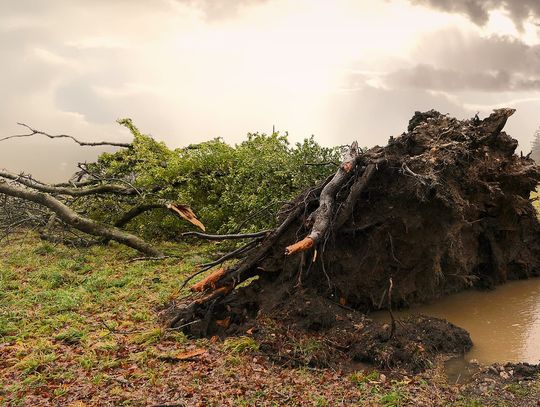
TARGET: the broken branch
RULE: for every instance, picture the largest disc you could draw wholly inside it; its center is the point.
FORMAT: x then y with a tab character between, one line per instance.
34	132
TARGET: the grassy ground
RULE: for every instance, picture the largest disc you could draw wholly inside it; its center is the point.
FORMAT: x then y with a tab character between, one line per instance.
78	327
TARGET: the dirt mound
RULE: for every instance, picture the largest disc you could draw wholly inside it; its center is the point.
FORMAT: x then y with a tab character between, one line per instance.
442	207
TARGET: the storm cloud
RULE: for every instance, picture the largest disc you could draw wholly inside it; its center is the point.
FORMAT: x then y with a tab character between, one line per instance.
478	10
432	78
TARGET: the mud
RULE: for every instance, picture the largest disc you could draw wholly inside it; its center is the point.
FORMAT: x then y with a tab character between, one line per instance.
504	323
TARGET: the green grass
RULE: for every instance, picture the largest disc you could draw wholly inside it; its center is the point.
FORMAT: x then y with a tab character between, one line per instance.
85	322
242	344
57	302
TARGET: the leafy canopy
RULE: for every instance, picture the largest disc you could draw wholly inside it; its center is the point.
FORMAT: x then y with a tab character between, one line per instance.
230	188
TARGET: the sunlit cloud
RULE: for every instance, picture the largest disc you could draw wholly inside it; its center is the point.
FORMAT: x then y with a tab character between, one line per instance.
189	70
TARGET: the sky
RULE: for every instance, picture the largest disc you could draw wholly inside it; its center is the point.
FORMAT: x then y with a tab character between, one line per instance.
187	71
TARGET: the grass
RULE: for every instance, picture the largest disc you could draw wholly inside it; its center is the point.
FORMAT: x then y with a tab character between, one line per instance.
242	344
57	302
79	327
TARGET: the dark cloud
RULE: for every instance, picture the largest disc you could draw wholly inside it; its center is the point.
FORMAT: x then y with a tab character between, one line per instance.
452	61
455	50
432	78
478	10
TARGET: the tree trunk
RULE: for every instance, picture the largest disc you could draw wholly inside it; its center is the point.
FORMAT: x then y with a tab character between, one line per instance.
79	222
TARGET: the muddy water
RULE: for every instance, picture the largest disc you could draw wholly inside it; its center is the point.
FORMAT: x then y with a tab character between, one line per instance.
504	323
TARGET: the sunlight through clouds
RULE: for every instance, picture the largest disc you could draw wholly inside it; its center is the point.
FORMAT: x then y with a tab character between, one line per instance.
188	70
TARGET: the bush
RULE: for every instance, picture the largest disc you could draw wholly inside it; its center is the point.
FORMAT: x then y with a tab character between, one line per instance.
230	188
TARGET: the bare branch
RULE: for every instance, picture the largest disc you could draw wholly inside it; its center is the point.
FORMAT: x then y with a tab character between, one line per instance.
227	237
79	222
40	186
34	132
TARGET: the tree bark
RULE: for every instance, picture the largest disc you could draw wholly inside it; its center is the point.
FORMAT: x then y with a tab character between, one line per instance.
62	190
79	222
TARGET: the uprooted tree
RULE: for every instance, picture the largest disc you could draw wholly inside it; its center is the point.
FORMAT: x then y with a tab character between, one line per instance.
442	207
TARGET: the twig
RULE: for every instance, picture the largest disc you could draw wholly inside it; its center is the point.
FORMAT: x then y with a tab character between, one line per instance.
152	258
33	132
119	332
227	237
323	163
208	266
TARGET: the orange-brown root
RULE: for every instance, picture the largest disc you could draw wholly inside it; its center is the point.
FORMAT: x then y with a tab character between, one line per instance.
216	293
300	246
209	282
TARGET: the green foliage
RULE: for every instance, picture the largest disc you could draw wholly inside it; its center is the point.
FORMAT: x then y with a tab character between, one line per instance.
229	188
393	398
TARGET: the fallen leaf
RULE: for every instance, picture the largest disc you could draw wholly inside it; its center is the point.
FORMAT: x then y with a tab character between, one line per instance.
190	354
224	322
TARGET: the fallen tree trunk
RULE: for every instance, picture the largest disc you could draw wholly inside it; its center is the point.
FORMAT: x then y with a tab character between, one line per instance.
79	222
442	207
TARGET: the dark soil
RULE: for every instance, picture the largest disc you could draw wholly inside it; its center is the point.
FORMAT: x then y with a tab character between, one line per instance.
448	210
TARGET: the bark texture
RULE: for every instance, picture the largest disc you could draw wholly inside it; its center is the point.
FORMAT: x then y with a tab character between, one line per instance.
79	222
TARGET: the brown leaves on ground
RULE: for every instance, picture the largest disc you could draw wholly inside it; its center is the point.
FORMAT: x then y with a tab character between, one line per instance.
184	356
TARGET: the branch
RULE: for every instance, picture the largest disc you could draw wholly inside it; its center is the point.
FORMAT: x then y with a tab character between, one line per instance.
79	222
136	211
230	255
227	237
33	132
39	186
323	214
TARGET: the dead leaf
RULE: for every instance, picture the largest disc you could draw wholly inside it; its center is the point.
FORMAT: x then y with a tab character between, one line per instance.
186	213
190	354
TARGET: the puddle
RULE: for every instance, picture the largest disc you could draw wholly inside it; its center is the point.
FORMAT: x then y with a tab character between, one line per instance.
504	323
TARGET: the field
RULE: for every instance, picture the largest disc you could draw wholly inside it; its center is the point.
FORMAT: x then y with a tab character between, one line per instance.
79	327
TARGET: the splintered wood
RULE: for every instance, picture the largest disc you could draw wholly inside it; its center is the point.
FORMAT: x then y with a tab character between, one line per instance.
209	281
300	246
186	213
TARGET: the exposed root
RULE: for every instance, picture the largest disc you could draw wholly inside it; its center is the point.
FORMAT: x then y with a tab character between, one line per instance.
209	282
441	207
300	246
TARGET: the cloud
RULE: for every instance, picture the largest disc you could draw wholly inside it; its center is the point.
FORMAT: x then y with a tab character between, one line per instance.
223	9
371	115
456	61
478	10
429	77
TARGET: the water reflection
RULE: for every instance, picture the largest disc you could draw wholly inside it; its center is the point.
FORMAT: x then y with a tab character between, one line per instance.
504	323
